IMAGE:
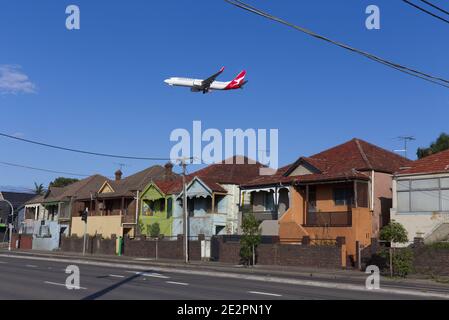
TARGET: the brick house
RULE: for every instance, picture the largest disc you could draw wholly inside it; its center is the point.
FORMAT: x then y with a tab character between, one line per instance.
212	199
344	191
113	205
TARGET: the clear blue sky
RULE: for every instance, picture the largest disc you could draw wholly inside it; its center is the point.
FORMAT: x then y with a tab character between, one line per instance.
101	88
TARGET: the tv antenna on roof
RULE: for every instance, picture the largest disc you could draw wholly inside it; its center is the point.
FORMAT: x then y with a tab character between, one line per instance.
121	165
406	140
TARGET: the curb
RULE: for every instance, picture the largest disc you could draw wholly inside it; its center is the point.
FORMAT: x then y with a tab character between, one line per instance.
309	283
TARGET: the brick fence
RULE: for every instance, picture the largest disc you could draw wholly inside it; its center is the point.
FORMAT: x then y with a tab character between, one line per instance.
95	244
162	248
305	254
427	259
22	241
432	261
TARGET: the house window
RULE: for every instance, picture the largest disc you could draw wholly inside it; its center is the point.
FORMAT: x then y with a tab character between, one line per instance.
343	196
423	195
312	199
169	207
268	201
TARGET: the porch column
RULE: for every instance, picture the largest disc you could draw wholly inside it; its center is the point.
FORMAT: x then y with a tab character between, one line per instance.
36	212
122	206
213	202
306	207
59	210
355	194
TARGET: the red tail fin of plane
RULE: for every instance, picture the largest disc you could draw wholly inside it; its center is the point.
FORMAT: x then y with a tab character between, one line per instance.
237	82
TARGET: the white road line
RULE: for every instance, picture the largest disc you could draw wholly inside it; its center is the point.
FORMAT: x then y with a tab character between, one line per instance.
230	275
265	293
3	262
153	274
178	283
31	266
116	276
63	285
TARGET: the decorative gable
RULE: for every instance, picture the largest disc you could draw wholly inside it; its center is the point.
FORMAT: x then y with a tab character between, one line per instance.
302	168
198	188
106	188
152	192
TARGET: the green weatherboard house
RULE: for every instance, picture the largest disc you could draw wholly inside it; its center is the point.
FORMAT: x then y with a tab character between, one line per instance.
157	206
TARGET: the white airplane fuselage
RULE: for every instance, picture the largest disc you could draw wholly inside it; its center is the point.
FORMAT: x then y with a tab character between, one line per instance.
194	83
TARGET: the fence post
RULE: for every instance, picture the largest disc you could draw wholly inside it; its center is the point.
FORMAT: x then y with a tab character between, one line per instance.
341	243
305	241
358	252
157	247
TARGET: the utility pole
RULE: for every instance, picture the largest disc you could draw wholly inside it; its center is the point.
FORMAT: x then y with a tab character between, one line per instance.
185	216
406	139
84	218
10	224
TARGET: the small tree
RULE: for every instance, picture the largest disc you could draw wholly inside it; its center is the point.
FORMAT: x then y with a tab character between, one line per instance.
251	238
441	144
61	182
39	189
400	262
140	227
394	232
154	230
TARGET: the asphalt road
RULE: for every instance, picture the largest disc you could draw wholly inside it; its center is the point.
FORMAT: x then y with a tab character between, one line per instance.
37	279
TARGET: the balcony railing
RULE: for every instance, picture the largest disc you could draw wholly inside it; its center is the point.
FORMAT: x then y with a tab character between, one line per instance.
263	215
329	219
128	219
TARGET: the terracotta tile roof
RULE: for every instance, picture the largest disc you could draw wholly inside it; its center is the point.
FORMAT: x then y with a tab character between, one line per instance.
83	189
175	186
359	155
278	177
128	186
436	163
240	171
344	161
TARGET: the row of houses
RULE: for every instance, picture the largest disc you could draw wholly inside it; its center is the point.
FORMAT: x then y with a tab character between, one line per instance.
350	191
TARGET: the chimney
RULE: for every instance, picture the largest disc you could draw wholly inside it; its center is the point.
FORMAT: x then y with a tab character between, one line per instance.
118	175
168	169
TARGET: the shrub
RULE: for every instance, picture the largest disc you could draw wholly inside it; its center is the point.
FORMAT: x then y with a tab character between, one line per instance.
394	232
154	230
250	239
402	260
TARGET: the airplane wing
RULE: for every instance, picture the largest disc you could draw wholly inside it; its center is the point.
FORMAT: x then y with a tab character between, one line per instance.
206	83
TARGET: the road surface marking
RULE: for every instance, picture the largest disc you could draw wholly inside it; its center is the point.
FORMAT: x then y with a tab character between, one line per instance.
153	274
178	283
3	262
61	285
265	293
229	275
31	266
116	276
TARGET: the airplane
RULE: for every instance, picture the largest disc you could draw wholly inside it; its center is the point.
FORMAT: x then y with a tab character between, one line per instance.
209	84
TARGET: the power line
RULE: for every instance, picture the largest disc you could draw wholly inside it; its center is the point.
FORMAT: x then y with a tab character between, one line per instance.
44	170
83	151
436	80
435	6
427	11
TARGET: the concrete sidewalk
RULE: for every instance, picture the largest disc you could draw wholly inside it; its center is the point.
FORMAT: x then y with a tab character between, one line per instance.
315	274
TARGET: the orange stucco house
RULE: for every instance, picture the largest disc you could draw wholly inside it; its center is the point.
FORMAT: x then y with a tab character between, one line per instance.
344	191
